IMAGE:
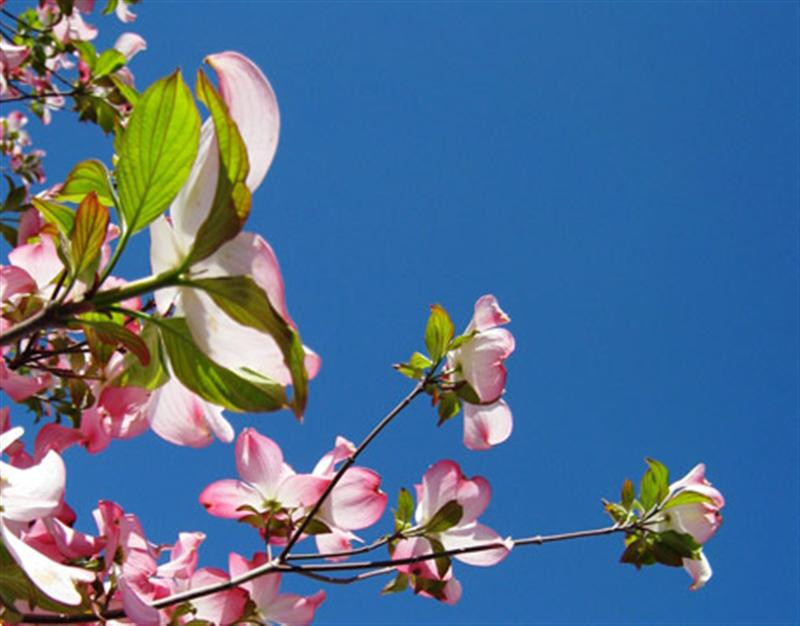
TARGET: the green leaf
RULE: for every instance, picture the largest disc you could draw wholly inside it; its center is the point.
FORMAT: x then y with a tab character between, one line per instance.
438	332
87	52
398	585
442	562
60	216
627	495
107	63
655	484
231	204
670	548
409	372
467	393
405	506
636	553
91	224
449	406
115	334
87	176
420	361
157	151
461	340
245	302
686	497
218	385
617	513
149	376
128	92
445	518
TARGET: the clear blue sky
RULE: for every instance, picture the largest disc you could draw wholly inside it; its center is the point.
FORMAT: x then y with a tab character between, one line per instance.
622	176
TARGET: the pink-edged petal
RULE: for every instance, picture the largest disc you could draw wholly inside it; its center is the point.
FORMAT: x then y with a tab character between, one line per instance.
94	430
486	425
123	12
183	418
292	609
357	501
473	495
313	362
412	548
225	607
473	535
183	556
439	486
225	498
55	580
35	491
696	481
699	519
126	410
130	44
229	343
488	314
55	437
700	571
249	254
136	608
343	448
301	490
336	541
72	543
481	360
18	386
165	254
11	435
14	280
264	589
190	207
259	461
253	106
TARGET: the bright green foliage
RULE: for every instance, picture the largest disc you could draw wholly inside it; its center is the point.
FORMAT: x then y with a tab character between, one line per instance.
62	217
87	176
445	518
231	204
438	333
218	385
88	234
245	302
157	151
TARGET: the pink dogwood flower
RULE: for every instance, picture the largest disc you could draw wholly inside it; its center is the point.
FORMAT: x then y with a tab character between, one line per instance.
30	494
252	105
442	484
480	362
700	519
270	487
272	606
355	503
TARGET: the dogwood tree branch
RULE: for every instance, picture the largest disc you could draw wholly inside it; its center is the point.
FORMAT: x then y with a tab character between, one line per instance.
320	571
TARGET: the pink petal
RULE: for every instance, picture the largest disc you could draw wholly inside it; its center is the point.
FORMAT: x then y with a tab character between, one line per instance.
488	314
259	461
301	490
439	486
486	425
343	448
136	608
481	360
695	481
473	495
165	254
55	437
225	607
264	589
14	280
411	548
293	609
472	535
123	12
336	541
72	543
225	497
183	418
96	436
20	387
357	501
126	411
54	579
253	106
700	571
12	434
183	556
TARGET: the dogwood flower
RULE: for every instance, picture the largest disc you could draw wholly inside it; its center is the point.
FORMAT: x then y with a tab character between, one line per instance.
30	494
252	105
479	361
272	606
442	484
698	517
269	487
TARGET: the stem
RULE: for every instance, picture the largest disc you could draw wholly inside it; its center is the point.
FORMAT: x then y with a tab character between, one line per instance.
123	240
346	553
418	388
318	571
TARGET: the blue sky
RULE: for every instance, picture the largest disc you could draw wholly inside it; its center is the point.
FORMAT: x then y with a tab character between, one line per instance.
622	176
